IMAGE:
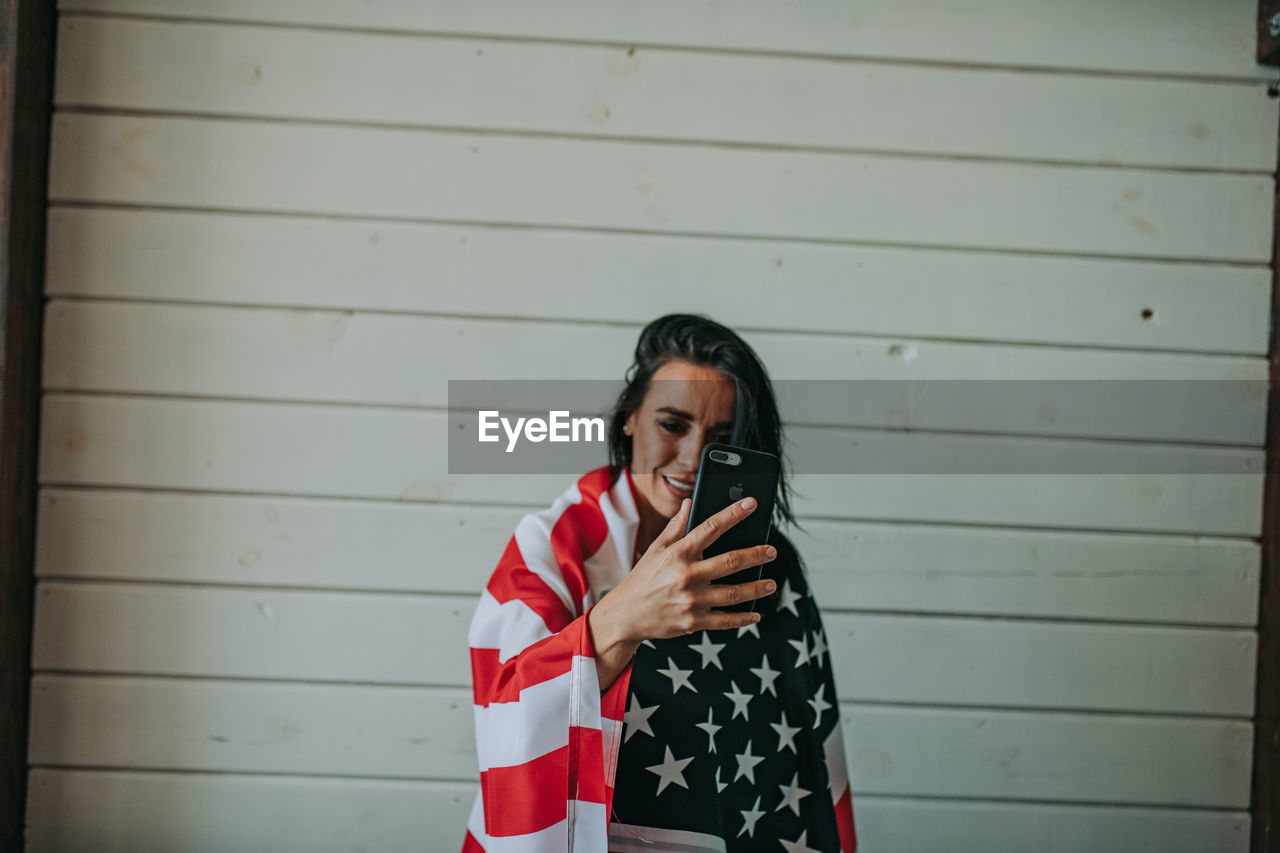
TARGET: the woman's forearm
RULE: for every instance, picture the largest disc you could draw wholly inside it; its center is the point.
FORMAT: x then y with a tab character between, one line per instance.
613	651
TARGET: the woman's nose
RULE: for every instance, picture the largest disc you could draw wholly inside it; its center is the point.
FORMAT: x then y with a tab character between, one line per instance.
690	453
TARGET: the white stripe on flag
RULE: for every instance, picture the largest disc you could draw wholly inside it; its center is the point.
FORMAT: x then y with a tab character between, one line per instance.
533	537
510	627
590	828
625	838
837	770
587	684
612	731
511	733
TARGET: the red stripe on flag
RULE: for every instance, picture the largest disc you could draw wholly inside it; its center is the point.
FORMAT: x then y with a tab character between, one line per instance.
512	580
471	845
519	800
613	707
548	658
533	796
844	821
586	765
580	531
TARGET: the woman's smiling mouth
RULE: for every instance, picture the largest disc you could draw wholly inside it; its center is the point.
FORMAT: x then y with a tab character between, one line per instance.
680	488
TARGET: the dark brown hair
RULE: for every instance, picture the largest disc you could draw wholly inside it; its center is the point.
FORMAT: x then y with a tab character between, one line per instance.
702	341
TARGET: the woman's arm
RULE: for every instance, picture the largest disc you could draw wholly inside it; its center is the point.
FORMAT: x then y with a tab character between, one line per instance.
540	720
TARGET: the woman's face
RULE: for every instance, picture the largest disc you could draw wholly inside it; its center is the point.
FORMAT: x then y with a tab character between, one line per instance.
687	406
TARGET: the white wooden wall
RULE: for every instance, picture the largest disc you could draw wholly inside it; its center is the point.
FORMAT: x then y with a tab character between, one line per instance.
278	227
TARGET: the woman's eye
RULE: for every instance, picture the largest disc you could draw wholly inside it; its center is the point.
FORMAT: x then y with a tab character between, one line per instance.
673	426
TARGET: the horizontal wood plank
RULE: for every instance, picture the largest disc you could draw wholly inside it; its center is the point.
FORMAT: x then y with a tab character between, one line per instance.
110	811
486	271
379	637
91	811
277	73
1144	37
165	724
900	824
650	187
229	726
910	568
394	454
346	357
295	542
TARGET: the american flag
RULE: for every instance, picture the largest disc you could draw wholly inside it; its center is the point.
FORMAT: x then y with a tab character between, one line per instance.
720	741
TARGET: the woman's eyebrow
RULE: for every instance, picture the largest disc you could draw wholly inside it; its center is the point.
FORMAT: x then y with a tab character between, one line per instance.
688	417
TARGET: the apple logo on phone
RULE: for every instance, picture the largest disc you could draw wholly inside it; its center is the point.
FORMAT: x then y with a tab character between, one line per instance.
735	492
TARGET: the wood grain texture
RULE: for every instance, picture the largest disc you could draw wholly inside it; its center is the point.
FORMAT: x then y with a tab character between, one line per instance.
362	358
623	278
679	95
910	824
298	543
378	637
111	811
647	187
89	811
278	228
202	726
397	454
1148	37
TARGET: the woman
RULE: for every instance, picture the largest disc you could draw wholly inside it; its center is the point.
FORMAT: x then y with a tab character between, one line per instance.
647	718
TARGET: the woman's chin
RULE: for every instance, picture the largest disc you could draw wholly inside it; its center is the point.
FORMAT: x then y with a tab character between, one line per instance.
665	508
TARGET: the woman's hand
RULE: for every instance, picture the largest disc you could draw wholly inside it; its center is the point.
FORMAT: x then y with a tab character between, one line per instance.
670	591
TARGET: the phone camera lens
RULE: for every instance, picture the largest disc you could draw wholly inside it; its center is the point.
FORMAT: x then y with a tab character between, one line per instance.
719	456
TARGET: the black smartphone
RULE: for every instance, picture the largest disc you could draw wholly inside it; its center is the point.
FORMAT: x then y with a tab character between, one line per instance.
727	474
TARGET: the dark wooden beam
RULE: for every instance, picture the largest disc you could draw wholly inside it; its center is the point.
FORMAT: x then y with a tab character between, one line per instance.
27	32
1266	745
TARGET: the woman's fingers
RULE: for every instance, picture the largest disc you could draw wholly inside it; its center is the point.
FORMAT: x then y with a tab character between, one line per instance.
675	527
709	531
729	562
725	595
724	621
676	597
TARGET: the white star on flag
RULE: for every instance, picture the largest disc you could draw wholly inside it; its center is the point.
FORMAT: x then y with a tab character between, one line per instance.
800	845
786	734
819	704
753	628
648	643
710	728
802	651
637	719
747	765
710	651
767	676
679	677
739	700
720	786
819	646
749	818
792	795
670	771
787	599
